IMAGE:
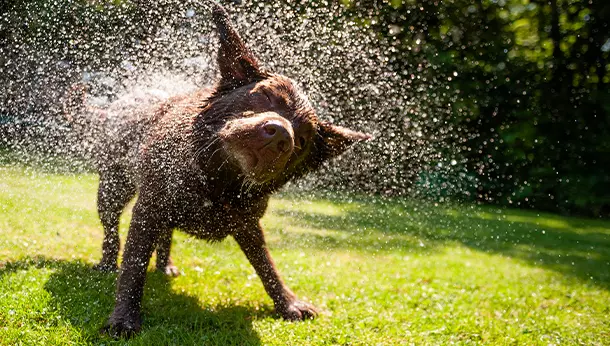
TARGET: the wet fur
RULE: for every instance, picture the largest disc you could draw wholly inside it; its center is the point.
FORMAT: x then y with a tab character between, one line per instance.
183	158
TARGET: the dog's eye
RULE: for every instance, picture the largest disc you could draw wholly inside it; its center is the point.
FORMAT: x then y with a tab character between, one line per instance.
261	95
266	95
303	134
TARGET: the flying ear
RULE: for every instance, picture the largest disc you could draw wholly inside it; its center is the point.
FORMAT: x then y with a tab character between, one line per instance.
237	64
334	140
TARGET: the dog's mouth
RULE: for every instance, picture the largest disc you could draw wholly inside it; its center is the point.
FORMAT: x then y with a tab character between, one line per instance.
249	157
256	168
260	145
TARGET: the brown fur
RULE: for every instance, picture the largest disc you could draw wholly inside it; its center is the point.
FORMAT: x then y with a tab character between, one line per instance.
207	163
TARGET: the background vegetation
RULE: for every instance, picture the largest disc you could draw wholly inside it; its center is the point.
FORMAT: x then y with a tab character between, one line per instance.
532	82
523	85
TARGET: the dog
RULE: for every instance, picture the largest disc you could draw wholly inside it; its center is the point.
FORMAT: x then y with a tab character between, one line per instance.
207	163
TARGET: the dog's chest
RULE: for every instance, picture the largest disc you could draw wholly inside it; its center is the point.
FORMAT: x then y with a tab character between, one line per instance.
213	221
203	213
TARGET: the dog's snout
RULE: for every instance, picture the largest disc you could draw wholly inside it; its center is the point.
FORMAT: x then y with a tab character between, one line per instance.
274	128
278	135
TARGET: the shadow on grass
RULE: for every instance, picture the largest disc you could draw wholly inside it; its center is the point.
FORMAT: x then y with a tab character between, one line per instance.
84	298
578	248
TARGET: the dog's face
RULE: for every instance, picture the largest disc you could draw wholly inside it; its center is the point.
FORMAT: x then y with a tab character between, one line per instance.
268	129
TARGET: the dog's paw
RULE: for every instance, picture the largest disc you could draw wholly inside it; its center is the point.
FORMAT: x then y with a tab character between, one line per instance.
121	327
106	267
170	270
298	310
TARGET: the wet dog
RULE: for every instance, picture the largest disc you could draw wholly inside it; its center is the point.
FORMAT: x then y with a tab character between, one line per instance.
207	163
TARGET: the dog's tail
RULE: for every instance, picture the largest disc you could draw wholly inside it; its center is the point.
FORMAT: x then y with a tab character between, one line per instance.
74	108
74	102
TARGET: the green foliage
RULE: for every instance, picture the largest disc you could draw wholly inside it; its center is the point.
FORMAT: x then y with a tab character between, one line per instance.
532	86
527	83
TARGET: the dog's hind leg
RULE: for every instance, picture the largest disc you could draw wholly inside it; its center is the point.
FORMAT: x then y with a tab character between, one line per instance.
164	261
114	192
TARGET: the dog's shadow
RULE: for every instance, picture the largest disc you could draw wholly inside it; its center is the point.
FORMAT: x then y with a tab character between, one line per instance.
84	298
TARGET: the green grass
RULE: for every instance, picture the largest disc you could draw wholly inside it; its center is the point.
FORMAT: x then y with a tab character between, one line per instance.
382	271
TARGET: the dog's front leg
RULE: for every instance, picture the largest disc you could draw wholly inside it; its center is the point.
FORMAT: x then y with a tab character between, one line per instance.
252	242
144	231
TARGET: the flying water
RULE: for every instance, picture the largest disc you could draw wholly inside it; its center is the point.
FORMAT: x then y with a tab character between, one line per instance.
126	54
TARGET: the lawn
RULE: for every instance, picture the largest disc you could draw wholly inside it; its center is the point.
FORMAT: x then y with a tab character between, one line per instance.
383	271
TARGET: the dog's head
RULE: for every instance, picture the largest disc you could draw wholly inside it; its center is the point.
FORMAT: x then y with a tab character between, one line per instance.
267	128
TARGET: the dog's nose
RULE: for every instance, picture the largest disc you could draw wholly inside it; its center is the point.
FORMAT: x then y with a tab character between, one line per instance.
278	136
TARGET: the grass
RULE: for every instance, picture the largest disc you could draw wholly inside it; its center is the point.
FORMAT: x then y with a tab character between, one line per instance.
382	271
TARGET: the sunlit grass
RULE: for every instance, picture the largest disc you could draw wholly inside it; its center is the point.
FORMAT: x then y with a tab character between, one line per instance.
382	272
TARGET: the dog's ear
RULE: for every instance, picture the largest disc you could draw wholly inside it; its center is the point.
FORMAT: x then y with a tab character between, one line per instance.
333	140
237	64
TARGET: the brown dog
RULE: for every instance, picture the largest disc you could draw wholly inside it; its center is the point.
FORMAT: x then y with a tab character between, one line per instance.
207	163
